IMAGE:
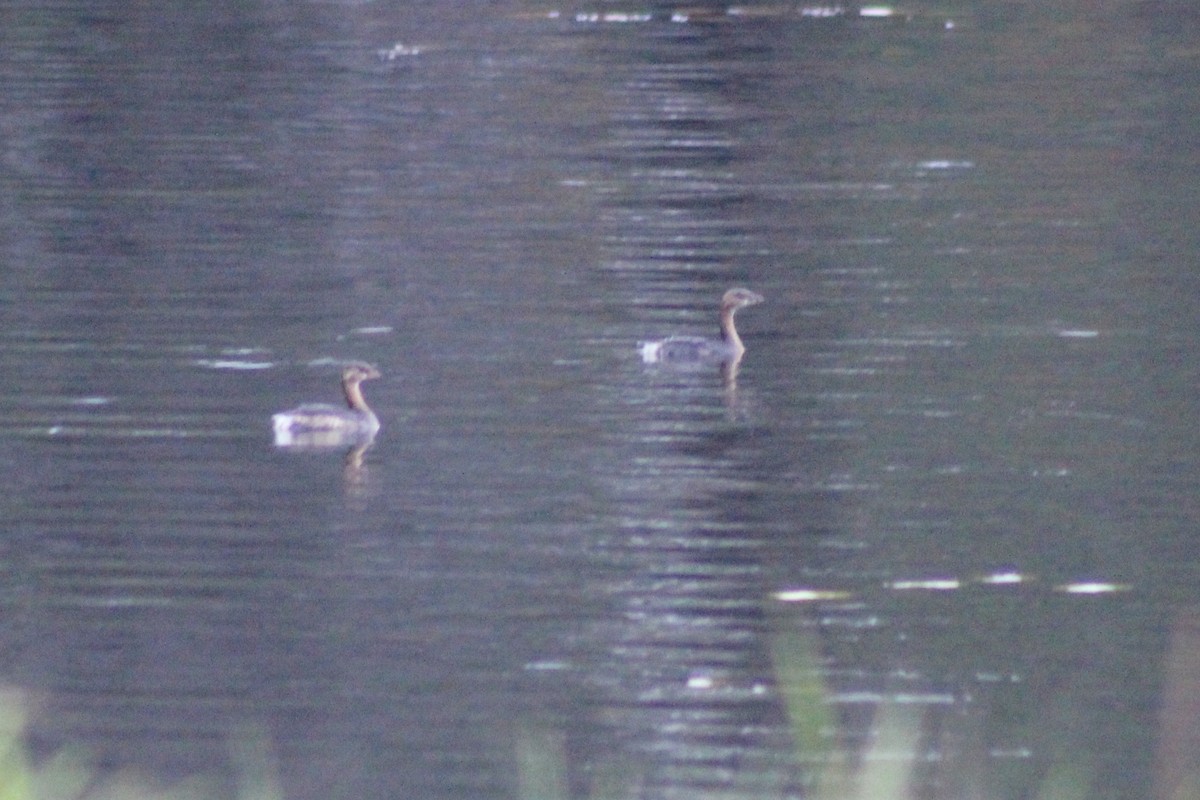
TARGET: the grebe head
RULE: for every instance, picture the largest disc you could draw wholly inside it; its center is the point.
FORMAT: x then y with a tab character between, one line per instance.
358	371
739	298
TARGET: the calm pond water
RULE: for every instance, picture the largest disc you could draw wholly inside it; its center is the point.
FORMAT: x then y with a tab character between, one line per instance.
937	538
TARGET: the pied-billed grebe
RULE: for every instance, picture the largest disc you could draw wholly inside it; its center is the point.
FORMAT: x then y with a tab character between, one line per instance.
699	350
321	423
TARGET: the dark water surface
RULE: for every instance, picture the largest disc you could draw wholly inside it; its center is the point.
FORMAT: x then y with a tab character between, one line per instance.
937	539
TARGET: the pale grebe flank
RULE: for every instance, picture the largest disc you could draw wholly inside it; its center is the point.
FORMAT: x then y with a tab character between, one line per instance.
697	349
321	423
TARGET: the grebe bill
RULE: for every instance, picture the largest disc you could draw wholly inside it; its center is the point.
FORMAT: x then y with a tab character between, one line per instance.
698	349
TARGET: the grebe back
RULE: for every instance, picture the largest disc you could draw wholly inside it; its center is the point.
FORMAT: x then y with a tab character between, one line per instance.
321	423
698	349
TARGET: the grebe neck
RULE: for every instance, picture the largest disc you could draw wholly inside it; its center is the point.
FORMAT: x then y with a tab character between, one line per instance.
354	396
729	331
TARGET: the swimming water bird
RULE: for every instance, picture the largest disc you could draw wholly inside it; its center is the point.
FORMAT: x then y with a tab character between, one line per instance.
321	424
699	350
